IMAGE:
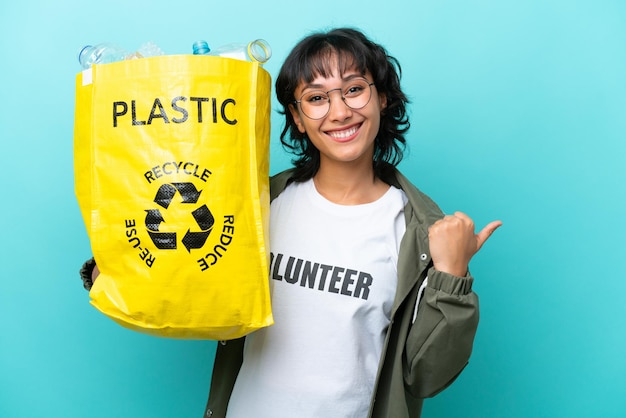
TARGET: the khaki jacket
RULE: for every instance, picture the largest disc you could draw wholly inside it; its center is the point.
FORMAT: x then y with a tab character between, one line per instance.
421	357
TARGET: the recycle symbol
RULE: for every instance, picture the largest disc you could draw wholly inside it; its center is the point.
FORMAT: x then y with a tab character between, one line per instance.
202	215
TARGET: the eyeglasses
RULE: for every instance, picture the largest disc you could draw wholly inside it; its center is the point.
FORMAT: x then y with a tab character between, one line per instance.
356	94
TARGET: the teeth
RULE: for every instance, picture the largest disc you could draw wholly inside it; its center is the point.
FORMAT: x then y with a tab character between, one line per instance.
343	134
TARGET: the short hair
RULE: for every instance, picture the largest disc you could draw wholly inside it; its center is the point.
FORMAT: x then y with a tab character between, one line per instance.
310	58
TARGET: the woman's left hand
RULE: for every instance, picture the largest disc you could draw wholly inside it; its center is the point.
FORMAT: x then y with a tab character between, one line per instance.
453	242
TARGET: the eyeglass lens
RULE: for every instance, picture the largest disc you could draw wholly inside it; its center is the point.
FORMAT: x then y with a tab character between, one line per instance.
316	103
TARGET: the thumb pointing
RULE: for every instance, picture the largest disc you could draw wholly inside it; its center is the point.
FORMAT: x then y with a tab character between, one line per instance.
486	232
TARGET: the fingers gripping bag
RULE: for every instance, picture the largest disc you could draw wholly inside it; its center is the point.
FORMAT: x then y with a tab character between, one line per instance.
171	162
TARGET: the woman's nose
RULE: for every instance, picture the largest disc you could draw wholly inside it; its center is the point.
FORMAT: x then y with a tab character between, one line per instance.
339	110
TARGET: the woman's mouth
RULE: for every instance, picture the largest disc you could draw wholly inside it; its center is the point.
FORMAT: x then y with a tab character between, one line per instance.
344	135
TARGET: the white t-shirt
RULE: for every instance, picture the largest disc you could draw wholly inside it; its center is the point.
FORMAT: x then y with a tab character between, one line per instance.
333	277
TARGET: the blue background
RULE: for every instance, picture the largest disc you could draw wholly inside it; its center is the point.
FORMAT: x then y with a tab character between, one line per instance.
518	113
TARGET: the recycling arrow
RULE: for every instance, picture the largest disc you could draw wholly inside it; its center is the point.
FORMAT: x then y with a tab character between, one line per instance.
162	240
204	219
166	193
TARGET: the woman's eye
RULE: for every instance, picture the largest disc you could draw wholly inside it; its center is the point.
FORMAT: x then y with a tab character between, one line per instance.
316	98
353	91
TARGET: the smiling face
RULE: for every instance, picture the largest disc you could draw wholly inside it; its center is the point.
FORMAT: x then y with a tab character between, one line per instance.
343	135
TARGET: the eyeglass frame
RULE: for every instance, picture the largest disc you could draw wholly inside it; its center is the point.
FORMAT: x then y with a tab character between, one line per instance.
343	99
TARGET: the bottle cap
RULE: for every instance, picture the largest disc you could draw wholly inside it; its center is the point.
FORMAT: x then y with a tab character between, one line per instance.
201	48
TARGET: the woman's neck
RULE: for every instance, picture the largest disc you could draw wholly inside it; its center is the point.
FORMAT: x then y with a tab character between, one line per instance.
347	184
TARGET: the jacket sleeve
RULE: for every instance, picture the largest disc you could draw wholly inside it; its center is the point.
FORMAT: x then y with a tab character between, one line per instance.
228	359
439	342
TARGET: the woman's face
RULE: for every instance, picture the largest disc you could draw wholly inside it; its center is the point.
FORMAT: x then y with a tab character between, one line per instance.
344	134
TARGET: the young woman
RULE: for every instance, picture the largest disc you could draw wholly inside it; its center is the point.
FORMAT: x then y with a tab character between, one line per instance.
371	293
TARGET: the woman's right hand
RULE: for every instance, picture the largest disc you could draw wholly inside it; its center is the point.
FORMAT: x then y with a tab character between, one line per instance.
95	273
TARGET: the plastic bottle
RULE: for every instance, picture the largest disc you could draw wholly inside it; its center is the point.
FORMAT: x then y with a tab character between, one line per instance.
101	54
258	50
107	52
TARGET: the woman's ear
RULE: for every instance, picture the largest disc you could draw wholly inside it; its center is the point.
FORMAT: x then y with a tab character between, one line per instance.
296	118
382	100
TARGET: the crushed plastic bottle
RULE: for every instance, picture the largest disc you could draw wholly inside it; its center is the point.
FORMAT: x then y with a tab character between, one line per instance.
105	53
149	49
258	50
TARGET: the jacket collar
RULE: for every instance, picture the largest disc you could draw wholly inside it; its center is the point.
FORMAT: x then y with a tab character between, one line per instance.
414	257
